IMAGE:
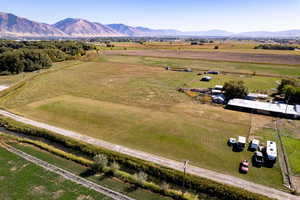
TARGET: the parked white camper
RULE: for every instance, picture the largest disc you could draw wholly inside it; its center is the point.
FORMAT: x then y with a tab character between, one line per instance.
271	151
241	143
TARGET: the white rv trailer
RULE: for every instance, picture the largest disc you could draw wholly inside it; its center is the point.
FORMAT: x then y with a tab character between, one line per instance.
271	151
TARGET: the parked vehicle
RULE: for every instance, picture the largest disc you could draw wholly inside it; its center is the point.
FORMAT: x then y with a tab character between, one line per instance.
258	159
241	143
188	70
244	166
231	141
271	152
254	145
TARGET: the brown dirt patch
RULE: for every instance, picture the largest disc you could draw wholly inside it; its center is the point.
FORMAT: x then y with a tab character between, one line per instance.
84	197
58	194
218	56
38	190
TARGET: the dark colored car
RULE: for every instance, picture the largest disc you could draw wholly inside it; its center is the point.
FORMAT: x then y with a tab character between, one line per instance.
258	159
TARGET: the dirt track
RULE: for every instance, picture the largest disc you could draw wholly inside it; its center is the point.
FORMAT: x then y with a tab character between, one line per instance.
209	174
68	175
210	55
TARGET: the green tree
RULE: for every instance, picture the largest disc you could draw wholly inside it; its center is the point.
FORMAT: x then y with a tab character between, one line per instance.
235	89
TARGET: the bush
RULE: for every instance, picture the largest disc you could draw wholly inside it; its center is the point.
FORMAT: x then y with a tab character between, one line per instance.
100	162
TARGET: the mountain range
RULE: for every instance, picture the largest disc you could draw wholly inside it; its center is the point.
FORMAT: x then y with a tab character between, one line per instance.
14	26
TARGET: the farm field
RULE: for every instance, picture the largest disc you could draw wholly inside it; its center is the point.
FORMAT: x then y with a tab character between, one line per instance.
216	56
265	85
80	170
13	79
290	131
224	46
205	65
137	106
23	180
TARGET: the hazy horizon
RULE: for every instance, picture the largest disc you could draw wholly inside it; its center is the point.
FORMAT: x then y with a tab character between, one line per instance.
234	16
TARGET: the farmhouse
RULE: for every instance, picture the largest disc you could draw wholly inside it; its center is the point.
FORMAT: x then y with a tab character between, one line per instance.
275	109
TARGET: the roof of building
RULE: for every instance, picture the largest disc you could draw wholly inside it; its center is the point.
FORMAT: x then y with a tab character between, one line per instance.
257	95
271	107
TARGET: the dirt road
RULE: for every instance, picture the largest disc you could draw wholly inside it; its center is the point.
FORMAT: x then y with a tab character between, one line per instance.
210	55
68	175
209	174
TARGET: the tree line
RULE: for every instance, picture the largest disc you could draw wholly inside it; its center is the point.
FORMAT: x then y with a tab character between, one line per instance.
28	56
275	47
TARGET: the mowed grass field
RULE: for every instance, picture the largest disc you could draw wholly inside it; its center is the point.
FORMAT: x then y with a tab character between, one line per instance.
264	69
137	105
258	84
20	179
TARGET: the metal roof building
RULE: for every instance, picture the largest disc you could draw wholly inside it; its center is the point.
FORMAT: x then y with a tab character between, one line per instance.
266	108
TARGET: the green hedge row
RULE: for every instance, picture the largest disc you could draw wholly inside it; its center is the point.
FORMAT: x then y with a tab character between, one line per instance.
198	184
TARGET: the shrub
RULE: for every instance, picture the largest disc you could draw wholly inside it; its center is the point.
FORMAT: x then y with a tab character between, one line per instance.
100	162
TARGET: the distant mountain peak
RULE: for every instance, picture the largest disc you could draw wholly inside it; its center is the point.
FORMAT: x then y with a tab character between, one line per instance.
14	26
84	28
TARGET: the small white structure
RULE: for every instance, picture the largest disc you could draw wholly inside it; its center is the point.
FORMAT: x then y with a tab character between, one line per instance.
241	142
271	151
218	87
213	91
254	144
254	96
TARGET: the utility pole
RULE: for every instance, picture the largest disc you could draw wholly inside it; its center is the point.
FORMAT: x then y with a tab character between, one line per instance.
185	165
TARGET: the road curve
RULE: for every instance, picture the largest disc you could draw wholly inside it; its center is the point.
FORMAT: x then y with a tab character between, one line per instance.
68	175
209	174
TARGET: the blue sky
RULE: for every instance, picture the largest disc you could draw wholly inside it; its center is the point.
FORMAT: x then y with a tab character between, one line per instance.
186	15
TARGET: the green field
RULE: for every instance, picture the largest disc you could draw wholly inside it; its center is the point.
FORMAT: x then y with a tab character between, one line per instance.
290	131
267	69
265	85
137	105
106	181
20	179
232	46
